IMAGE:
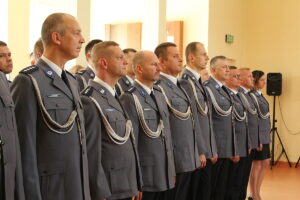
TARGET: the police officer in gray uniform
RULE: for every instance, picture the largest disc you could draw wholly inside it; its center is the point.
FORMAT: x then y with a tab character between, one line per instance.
11	180
50	117
246	80
150	118
223	125
110	140
182	120
84	76
126	81
236	170
190	80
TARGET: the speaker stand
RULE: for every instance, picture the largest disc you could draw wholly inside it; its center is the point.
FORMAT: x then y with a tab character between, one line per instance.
274	131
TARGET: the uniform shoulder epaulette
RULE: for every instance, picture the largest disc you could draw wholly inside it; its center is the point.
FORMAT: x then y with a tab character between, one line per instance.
206	82
157	82
185	76
131	89
71	74
88	91
30	69
81	72
155	87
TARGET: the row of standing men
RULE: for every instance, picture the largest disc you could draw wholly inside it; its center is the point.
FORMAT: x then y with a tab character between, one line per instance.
169	138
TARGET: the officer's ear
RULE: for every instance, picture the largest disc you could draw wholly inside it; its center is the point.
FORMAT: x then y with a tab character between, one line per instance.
102	62
56	37
138	69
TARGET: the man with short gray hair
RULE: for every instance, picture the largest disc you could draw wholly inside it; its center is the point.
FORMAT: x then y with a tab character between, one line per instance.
223	124
49	117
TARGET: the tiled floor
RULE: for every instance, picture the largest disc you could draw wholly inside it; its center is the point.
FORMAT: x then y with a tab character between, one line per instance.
281	183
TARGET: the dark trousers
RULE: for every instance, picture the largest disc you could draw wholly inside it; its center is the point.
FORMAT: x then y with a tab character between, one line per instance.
164	195
235	179
201	182
219	179
182	188
247	171
126	198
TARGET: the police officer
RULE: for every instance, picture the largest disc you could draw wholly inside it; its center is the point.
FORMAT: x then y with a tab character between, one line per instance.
126	81
84	76
50	117
182	120
246	80
11	180
149	114
112	155
236	170
222	125
191	81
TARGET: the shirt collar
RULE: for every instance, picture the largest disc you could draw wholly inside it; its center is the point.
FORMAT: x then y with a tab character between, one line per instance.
219	82
171	78
108	87
130	79
52	65
259	92
196	74
146	88
232	90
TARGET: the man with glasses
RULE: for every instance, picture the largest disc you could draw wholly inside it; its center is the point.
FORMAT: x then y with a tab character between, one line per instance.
237	169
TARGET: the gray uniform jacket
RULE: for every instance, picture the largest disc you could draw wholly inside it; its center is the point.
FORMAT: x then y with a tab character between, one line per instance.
113	168
183	132
264	125
122	85
156	154
252	119
241	127
206	134
83	77
11	180
223	125
54	165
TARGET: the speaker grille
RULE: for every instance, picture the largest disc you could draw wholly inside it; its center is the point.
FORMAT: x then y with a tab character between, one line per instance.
274	84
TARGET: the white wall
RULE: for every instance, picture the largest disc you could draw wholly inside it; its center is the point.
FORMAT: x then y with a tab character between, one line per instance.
4	20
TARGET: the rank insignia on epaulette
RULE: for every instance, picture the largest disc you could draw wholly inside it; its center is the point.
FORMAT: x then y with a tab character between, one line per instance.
185	76
217	86
87	91
81	72
127	82
193	78
205	82
92	75
30	69
131	89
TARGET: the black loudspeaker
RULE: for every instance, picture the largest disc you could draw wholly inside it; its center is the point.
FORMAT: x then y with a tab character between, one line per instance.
274	84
